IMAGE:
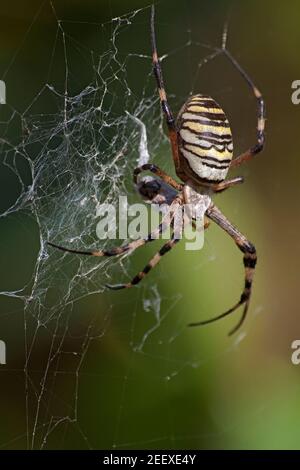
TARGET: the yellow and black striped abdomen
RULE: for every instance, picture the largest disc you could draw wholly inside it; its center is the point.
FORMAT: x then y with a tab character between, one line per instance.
205	138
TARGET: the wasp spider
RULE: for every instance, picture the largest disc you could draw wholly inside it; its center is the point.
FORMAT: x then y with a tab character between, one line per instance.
202	149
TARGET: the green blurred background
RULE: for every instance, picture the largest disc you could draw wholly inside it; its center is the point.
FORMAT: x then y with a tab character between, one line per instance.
177	387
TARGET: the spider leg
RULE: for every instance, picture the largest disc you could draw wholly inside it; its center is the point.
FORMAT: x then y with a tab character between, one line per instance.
219	187
157	171
205	225
163	99
157	257
152	263
118	250
250	259
166	221
258	147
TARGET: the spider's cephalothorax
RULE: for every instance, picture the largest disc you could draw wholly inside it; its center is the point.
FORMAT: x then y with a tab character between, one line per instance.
201	144
205	139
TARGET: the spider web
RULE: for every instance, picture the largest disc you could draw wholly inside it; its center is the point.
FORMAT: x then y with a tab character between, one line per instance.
73	147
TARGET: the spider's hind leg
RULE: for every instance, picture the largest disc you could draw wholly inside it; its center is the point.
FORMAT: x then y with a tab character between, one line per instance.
261	116
219	187
173	137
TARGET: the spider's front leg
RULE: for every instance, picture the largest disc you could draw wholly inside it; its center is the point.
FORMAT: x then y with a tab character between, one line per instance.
158	172
175	238
131	246
250	259
150	265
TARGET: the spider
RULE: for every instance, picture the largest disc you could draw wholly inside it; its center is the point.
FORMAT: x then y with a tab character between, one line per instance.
202	150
